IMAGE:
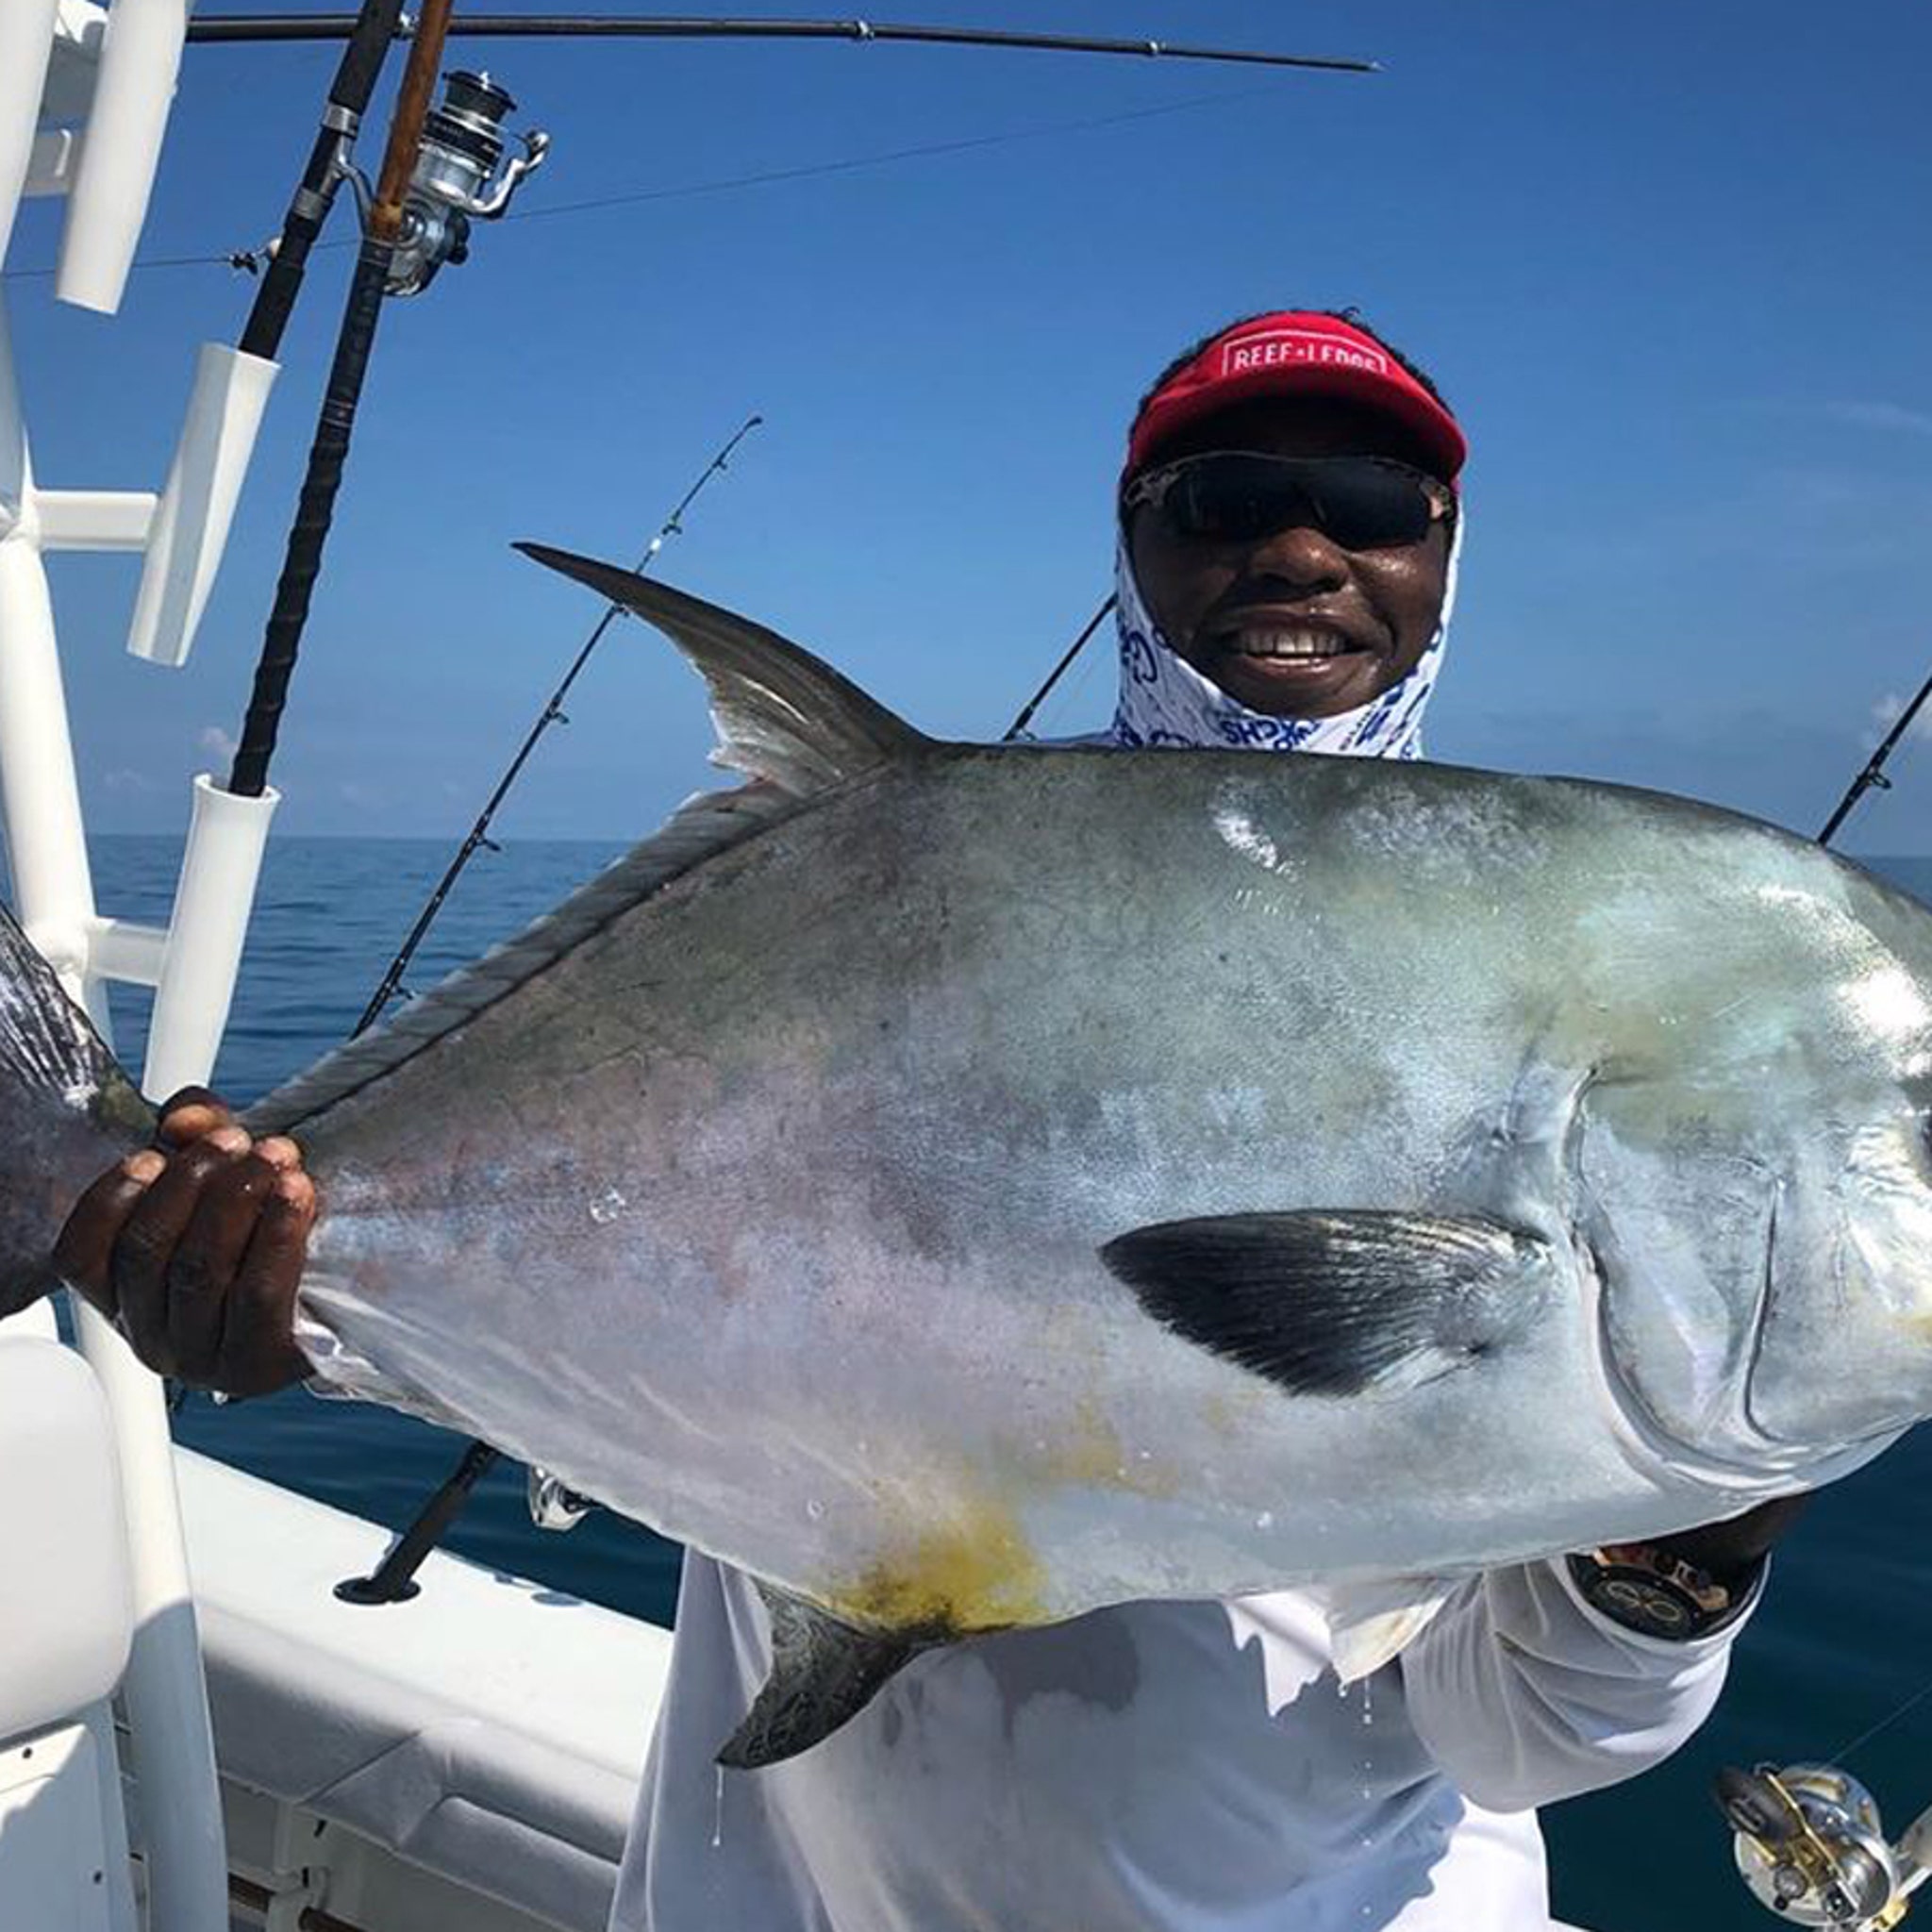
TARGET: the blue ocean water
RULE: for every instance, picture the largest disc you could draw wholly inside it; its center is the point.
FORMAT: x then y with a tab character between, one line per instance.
1834	1650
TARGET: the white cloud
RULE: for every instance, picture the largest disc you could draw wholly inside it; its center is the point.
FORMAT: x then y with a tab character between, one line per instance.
213	738
1877	415
1884	714
1848	412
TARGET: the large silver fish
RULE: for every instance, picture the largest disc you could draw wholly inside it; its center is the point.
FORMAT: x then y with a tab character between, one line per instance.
964	1187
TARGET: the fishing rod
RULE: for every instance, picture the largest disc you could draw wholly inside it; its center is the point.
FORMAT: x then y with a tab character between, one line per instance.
1059	671
553	1506
315	507
552	713
1872	777
369	37
255	27
439	171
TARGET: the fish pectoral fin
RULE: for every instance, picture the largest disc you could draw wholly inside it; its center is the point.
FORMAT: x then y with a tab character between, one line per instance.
823	1671
1370	1623
781	713
1337	1303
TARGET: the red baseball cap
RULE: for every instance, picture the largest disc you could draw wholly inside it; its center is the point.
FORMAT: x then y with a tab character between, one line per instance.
1294	352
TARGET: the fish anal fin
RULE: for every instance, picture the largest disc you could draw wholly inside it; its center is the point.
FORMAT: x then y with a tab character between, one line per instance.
1371	1623
1340	1303
823	1672
782	714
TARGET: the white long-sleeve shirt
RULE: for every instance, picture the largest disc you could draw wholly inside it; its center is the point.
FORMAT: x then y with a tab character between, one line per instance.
1175	1767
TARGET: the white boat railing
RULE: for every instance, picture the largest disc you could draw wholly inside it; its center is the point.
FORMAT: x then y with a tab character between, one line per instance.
194	962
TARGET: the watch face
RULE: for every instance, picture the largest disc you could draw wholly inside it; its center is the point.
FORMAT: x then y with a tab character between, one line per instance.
1641	1601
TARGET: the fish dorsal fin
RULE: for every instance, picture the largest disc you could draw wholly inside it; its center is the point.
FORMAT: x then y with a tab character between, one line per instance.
823	1671
793	722
704	825
781	713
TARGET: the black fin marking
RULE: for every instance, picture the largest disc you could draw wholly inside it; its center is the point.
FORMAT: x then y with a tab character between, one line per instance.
67	1113
823	1671
781	713
1332	1303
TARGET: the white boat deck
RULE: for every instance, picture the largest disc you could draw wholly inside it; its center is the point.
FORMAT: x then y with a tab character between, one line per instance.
488	1735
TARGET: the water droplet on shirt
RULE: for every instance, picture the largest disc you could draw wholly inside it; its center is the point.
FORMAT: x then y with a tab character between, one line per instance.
1265	1521
815	1509
718	1813
608	1206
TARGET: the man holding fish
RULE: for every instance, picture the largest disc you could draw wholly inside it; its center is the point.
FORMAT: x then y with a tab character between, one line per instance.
1290	526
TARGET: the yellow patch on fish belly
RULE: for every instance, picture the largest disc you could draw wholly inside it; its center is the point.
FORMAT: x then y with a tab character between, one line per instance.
1092	1454
973	1572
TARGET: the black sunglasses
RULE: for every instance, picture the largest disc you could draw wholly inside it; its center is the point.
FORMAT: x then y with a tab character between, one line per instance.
1236	496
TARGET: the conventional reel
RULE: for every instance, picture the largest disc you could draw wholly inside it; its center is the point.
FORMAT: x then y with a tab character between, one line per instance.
1809	1844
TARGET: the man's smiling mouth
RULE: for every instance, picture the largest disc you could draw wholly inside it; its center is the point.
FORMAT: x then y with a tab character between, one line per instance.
1305	642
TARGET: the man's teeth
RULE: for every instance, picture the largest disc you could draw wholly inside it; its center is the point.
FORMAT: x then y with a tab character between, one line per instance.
1288	642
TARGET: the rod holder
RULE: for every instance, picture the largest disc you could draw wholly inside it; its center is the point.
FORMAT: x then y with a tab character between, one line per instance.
210	923
141	56
191	525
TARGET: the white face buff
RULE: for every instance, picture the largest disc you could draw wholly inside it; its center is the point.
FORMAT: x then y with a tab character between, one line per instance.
1165	701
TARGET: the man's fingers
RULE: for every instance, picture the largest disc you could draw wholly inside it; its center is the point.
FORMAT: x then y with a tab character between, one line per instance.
192	1115
258	1351
82	1254
202	1275
278	1151
143	1258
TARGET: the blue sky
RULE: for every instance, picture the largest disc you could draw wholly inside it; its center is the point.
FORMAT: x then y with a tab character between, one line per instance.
1669	263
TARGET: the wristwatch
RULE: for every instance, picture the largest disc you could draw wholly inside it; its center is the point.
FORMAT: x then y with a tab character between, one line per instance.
1649	1591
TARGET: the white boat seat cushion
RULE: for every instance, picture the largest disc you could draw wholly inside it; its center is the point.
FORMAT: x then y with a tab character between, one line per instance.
66	1600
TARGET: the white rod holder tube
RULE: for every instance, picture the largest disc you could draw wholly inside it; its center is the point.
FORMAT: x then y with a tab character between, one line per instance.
205	932
26	37
191	528
140	59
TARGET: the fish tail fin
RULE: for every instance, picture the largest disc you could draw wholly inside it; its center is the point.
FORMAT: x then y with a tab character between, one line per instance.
67	1113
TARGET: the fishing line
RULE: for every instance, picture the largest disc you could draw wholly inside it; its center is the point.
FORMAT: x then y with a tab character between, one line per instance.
886	156
240	259
1884	1723
248	260
1059	671
1052	720
552	713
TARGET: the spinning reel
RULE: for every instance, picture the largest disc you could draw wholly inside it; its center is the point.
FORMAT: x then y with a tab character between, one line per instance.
1809	1844
456	179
